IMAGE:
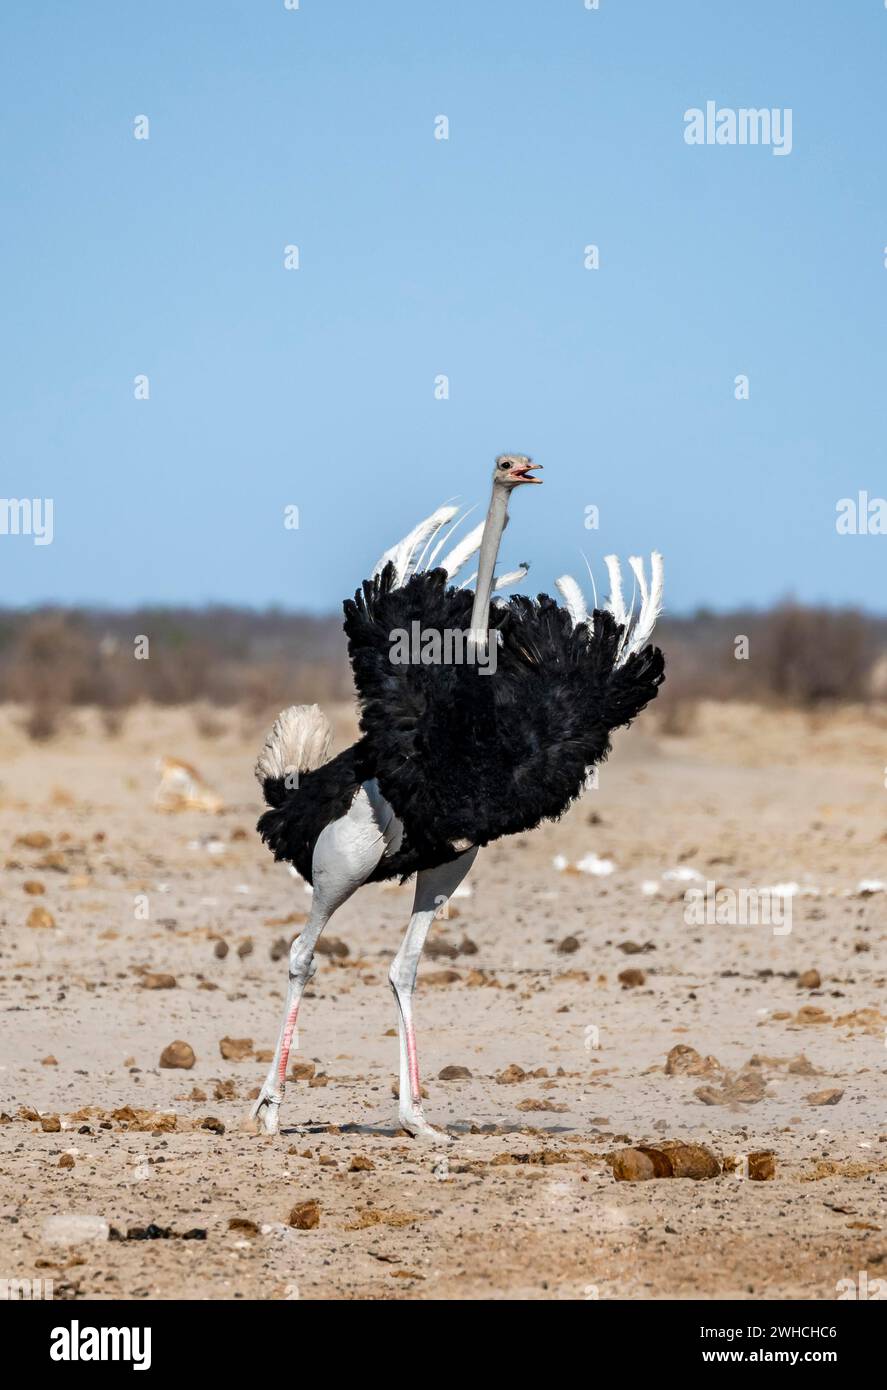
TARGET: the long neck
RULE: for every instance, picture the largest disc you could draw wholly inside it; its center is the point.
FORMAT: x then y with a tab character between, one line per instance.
497	520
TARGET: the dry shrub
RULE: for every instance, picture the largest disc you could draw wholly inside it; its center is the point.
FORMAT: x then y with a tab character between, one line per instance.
809	655
54	660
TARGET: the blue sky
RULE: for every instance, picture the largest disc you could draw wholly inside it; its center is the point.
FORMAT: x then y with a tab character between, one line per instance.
420	257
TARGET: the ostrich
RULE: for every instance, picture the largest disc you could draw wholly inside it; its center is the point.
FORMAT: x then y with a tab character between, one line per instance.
452	753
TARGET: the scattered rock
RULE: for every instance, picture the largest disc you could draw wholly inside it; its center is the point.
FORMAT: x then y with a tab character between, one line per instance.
211	1123
151	981
690	1160
245	948
454	1074
801	1066
50	1124
686	1061
745	1088
811	1014
810	979
302	1071
829	1097
178	1054
181	788
34	839
235	1049
305	1216
149	1232
870	1021
33	888
439	947
244	1225
66	1161
49	1061
145	1121
40	917
568	945
632	978
332	946
360	1164
510	1075
532	1104
762	1165
671	1159
220	950
280	948
637	1165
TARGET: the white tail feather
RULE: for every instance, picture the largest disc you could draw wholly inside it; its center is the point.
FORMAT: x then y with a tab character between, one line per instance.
651	603
615	603
639	629
574	599
299	741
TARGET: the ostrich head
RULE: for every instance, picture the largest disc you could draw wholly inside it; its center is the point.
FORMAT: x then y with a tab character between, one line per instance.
513	469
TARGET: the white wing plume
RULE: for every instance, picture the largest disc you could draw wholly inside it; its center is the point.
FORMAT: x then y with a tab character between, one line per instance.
638	629
401	554
408	558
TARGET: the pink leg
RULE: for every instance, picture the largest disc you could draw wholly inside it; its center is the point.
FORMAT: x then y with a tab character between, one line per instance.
346	853
286	1043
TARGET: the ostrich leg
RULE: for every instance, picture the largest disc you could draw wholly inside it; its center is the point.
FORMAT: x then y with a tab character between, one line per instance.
433	889
346	853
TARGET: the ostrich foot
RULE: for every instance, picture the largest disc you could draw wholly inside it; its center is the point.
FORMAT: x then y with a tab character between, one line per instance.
265	1114
415	1124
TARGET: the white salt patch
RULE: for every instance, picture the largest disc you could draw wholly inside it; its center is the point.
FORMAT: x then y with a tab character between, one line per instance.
592	865
74	1230
683	874
560	862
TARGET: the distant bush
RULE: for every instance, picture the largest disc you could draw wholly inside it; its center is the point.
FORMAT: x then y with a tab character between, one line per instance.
53	660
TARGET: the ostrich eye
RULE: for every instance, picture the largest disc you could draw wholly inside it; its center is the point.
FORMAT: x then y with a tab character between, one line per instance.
504	464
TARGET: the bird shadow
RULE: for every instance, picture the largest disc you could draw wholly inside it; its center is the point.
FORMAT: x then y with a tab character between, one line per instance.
458	1129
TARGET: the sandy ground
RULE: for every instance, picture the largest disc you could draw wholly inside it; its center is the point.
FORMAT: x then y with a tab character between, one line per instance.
523	1203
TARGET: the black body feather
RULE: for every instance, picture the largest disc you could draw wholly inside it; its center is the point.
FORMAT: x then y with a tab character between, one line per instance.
461	754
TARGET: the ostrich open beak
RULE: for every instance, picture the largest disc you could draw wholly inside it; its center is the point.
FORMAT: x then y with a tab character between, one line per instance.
520	472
